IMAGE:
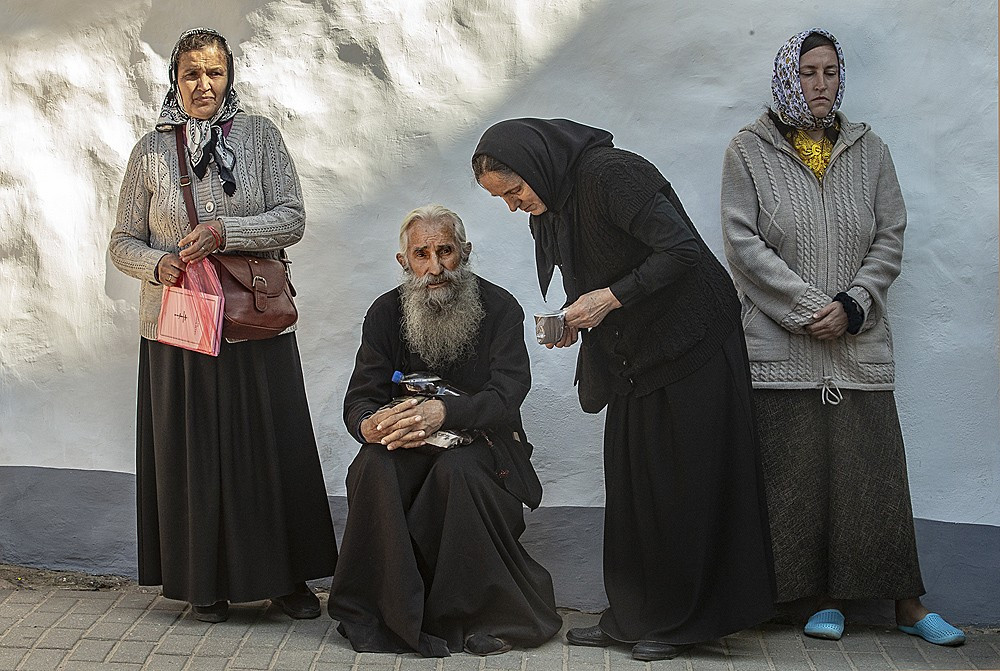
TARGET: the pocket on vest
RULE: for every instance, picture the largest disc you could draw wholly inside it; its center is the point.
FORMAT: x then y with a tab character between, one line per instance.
874	345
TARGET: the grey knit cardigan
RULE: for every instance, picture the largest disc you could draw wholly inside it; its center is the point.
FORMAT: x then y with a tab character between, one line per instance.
793	242
264	216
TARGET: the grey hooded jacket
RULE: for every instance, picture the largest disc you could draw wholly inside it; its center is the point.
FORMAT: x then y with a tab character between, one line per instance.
793	242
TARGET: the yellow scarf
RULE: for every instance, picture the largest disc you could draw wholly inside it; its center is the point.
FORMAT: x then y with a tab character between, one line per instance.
816	155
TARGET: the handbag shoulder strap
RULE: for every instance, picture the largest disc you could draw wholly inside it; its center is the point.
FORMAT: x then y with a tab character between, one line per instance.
185	177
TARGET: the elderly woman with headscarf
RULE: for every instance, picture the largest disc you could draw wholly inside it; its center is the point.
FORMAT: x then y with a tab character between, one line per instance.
813	221
686	552
232	503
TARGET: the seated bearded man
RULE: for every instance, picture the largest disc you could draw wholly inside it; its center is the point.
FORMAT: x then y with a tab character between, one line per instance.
430	561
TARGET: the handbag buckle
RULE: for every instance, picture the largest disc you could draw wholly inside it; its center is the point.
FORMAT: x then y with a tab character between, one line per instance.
260	293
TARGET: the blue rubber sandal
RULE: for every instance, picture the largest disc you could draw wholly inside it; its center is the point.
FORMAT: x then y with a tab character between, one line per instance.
828	624
934	629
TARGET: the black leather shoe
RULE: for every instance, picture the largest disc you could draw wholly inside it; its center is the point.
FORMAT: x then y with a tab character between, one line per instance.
651	651
301	604
484	645
589	636
217	612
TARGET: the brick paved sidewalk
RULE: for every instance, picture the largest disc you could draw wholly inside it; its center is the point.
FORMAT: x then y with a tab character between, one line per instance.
118	631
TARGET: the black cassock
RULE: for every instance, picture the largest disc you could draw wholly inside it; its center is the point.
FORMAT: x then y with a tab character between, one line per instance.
430	552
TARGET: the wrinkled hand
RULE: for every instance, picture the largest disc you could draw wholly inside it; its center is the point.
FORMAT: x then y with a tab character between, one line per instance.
169	269
404	425
831	322
590	309
569	336
199	243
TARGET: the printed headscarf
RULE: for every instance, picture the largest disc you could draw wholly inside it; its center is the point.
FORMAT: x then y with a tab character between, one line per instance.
544	153
205	138
786	89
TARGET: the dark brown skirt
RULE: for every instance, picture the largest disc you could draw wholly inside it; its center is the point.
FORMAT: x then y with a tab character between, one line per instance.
838	498
231	498
686	547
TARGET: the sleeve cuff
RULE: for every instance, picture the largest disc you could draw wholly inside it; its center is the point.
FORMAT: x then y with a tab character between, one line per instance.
864	301
802	314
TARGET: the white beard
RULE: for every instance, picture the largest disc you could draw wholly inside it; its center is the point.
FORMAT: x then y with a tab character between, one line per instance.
442	325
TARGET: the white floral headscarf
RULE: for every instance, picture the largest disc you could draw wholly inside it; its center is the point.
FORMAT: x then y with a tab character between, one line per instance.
786	89
205	138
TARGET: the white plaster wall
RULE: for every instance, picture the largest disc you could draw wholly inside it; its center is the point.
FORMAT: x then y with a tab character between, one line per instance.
382	101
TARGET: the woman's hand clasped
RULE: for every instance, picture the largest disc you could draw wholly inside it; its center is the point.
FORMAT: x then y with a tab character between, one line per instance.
831	322
404	425
200	242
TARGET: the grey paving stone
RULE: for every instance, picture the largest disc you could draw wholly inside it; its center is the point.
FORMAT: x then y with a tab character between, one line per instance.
136	600
209	664
149	633
336	651
580	654
743	646
16	611
293	660
61	639
82	666
682	663
92	606
254	658
42	660
21	637
25	596
160	662
56	604
459	663
892	638
325	666
785	650
109	631
700	662
6	623
407	663
9	657
90	594
218	647
189	625
834	660
79	620
40	618
907	657
304	642
131	652
92	651
123	616
178	644
749	663
869	661
860	641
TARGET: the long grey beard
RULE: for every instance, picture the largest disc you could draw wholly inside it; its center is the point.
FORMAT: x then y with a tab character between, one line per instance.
442	325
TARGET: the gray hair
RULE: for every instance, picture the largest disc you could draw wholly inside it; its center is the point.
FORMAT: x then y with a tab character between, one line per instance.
438	214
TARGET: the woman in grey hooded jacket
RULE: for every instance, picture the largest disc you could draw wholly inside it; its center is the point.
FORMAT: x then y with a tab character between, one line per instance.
813	221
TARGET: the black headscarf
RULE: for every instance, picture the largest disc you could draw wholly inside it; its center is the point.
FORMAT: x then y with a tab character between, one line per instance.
544	153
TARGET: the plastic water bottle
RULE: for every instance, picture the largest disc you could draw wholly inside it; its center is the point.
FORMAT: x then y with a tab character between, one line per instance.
425	384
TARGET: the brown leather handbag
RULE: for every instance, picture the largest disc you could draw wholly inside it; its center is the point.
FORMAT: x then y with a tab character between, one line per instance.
258	292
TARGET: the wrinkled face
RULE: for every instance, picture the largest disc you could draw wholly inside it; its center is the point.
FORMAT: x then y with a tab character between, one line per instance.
431	249
819	74
202	77
514	191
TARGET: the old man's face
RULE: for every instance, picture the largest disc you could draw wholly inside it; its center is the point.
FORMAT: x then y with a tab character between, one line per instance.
441	305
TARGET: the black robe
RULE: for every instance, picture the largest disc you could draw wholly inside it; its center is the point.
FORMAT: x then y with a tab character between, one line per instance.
430	552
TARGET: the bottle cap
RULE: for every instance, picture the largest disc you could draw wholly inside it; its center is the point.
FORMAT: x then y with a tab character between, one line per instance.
397	376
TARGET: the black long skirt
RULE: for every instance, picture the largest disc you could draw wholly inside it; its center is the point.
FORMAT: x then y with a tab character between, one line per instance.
231	498
838	495
686	547
431	555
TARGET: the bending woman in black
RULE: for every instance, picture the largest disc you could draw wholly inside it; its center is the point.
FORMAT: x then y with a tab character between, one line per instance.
686	547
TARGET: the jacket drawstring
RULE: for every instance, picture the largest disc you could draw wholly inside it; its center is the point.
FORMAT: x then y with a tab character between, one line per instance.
831	392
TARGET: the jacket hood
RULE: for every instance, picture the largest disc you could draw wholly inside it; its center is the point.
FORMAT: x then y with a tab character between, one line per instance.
764	128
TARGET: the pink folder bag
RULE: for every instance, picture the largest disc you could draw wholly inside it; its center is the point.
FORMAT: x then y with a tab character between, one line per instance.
191	313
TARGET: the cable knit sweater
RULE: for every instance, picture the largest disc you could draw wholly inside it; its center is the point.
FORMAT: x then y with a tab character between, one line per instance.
264	216
793	242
